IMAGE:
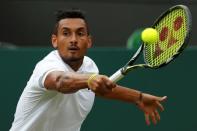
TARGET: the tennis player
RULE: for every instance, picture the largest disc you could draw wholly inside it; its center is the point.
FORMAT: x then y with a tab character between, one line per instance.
62	88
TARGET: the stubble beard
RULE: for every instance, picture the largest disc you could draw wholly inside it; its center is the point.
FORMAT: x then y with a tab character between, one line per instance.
74	63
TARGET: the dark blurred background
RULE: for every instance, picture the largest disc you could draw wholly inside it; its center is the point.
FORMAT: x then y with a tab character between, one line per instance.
29	23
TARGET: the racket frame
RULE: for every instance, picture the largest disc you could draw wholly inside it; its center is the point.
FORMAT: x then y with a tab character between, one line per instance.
186	40
129	66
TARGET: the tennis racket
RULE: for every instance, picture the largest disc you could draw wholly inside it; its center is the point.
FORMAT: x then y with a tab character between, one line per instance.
174	27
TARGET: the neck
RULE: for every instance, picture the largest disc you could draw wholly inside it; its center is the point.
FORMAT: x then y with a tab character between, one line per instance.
75	65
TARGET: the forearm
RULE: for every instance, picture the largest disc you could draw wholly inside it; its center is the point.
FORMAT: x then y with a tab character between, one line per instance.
66	82
123	94
72	82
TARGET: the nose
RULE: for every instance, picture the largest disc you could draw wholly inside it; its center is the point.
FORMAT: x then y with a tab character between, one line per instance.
73	38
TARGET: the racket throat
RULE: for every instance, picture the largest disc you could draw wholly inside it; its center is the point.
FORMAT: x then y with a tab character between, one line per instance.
125	70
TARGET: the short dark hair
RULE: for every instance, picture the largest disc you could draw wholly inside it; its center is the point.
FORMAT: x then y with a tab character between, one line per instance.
71	13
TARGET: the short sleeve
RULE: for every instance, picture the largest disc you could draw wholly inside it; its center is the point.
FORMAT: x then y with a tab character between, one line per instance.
43	77
43	68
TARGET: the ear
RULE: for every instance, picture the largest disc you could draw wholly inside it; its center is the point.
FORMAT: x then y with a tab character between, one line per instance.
54	40
89	41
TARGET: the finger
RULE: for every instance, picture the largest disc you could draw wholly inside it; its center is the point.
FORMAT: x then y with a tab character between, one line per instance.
94	87
109	84
157	115
161	98
100	81
160	106
147	118
113	85
152	115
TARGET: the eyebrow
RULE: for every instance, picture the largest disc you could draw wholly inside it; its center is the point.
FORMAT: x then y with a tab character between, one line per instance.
84	29
67	28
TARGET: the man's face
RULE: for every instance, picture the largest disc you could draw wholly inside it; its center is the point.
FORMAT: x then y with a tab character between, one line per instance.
72	39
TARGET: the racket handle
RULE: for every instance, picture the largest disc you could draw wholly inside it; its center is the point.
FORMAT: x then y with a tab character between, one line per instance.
116	76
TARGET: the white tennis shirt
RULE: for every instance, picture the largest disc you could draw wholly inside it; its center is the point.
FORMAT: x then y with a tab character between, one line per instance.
40	109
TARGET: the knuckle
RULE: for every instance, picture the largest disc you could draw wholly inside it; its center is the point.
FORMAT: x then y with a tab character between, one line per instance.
99	81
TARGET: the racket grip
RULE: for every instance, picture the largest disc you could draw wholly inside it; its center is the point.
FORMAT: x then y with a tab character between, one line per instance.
116	76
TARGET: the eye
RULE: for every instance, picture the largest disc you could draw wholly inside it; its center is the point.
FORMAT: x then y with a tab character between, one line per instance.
81	33
66	33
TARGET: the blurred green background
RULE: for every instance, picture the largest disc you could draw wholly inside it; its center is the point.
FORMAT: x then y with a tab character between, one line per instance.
177	81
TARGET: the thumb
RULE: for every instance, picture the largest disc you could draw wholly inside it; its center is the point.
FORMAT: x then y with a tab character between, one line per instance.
160	99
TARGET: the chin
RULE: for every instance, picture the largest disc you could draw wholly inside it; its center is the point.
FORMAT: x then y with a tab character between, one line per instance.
73	59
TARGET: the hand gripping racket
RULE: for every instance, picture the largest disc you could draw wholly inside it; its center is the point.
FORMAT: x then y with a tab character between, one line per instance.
174	28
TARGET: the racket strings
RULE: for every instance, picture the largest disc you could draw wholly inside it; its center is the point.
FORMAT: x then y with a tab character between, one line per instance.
172	32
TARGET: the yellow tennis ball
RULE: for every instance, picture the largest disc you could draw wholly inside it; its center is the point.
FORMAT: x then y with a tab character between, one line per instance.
149	35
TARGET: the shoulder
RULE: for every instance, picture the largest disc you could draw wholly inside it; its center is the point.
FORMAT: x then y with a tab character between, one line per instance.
89	65
88	59
52	56
50	62
52	59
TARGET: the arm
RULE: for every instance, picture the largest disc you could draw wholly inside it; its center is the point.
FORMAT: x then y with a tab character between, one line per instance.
70	82
102	86
65	82
149	104
123	94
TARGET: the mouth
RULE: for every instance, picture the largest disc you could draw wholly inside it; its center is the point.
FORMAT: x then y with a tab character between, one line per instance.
73	48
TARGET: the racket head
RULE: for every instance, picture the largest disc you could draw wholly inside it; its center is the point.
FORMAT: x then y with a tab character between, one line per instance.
174	27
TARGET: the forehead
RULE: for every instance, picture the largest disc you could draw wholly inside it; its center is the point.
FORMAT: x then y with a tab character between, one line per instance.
72	23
